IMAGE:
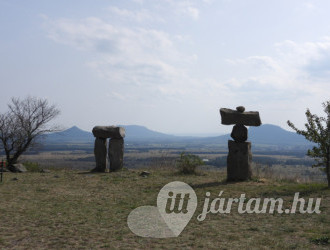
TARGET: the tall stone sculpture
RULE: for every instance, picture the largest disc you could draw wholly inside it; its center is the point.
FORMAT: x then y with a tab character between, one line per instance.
239	157
115	149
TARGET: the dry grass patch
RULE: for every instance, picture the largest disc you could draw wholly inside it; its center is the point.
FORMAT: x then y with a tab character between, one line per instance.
70	209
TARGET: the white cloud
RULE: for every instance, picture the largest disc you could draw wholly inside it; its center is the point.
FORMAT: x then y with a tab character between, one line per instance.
208	1
143	65
309	6
139	1
260	62
159	11
135	61
184	8
91	33
140	16
309	59
193	12
131	58
303	67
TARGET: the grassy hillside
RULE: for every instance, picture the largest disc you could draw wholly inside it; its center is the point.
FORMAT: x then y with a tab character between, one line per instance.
70	209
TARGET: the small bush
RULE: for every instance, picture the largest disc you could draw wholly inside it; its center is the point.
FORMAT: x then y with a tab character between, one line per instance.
323	240
188	162
32	166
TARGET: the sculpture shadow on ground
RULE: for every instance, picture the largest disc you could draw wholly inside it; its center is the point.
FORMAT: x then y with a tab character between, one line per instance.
90	172
214	184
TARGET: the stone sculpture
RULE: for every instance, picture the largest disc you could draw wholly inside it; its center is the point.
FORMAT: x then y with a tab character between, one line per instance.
115	149
239	157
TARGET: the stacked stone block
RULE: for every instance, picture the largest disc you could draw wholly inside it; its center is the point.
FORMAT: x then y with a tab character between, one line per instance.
239	159
115	149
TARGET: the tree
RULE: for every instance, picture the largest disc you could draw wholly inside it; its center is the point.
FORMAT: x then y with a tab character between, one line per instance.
23	124
318	131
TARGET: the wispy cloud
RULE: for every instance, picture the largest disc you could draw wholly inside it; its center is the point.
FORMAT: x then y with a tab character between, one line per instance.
311	59
309	6
128	57
186	8
140	15
148	64
302	67
192	11
134	57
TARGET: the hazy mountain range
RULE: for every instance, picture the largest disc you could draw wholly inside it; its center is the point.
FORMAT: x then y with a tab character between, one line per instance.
266	134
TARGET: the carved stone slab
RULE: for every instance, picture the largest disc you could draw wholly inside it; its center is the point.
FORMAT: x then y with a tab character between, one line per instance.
229	117
239	161
100	152
116	154
108	132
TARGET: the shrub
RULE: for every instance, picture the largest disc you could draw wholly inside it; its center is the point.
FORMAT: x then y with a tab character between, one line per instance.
32	166
323	240
188	162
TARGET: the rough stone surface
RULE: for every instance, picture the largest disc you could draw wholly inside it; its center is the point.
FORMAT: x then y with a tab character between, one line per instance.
44	171
4	169
239	133
116	154
240	109
108	132
239	161
100	153
18	168
144	173
229	116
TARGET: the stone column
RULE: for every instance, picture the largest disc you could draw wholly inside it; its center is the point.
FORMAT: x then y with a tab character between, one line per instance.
239	161
116	153
116	147
100	152
239	157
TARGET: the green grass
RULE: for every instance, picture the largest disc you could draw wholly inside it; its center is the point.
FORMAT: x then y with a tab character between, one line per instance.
323	240
84	210
32	166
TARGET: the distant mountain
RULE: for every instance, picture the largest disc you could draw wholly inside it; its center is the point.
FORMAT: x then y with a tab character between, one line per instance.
133	133
141	133
275	135
266	134
71	135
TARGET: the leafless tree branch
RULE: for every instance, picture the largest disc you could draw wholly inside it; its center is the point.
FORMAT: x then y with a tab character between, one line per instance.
23	124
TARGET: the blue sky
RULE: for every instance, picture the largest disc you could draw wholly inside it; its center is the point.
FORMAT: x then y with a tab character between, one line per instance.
168	64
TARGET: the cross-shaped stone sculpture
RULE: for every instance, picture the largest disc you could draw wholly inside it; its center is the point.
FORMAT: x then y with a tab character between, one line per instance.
239	157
